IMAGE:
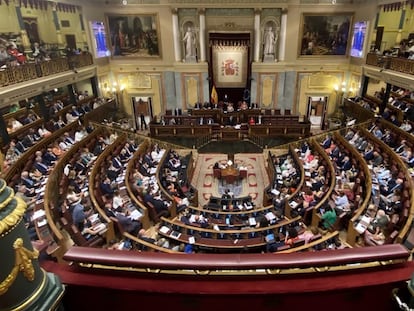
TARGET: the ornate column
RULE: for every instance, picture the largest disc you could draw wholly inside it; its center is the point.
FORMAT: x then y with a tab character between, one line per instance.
176	35
3	132
94	85
401	24
57	26
24	285
82	24
71	90
202	15
42	106
25	38
282	36
256	53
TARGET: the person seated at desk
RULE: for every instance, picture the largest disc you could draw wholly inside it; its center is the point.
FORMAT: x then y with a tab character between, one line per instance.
156	200
148	159
143	235
273	244
251	121
195	219
174	163
49	158
107	187
291	236
56	149
243	105
41	166
261	221
230	107
80	134
14	125
231	121
328	217
309	233
128	222
227	195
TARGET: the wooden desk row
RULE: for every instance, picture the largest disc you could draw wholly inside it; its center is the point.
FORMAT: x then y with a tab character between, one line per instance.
230	133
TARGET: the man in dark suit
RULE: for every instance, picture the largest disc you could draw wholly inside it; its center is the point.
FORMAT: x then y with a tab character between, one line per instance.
326	142
159	205
106	187
117	163
40	166
129	225
392	186
27	181
149	160
18	146
49	157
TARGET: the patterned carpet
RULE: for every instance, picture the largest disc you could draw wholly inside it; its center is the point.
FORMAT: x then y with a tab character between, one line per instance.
252	185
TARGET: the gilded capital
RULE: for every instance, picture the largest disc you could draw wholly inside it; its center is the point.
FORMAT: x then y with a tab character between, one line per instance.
22	263
12	208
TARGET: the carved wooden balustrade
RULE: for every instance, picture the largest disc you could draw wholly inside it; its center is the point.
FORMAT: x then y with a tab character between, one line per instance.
30	71
399	64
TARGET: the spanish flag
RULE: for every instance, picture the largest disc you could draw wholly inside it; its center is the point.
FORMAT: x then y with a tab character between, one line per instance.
214	96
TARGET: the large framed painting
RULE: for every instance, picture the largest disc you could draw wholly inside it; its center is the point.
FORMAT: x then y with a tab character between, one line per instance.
325	34
135	35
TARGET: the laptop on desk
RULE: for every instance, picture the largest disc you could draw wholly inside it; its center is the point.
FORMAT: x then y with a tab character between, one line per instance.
270	238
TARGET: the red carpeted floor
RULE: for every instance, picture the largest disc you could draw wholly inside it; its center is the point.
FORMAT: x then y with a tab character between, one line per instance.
252	185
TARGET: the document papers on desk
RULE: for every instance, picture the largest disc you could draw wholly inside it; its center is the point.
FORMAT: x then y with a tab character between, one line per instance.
270	216
42	222
164	229
37	214
275	192
191	240
363	224
293	204
252	221
135	214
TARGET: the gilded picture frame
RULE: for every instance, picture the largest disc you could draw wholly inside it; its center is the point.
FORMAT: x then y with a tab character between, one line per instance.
325	35
134	35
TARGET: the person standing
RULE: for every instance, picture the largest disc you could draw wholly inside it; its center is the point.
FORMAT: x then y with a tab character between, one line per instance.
143	123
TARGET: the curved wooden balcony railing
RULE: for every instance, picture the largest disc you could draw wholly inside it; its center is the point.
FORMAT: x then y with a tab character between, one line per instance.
399	64
30	71
380	257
